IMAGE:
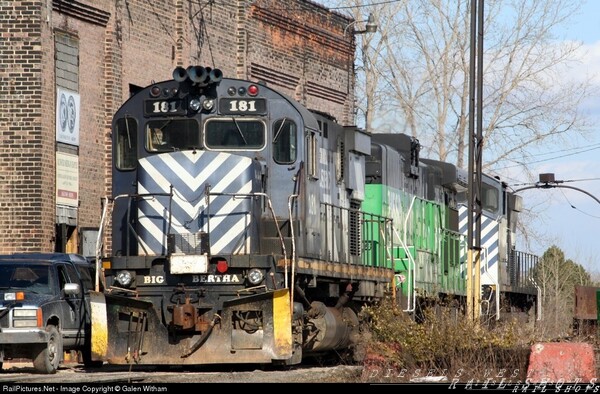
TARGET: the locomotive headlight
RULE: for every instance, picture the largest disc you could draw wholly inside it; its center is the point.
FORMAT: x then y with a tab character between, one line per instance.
195	104
255	276
124	278
208	104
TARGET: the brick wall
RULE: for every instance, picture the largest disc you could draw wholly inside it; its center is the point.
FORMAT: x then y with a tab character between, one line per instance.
297	47
25	167
302	50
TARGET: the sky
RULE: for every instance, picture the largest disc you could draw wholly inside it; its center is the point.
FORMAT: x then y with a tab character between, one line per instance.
570	219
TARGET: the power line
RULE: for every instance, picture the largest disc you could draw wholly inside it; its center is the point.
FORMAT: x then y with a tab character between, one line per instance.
582	180
575	208
549	159
567	155
566	181
365	5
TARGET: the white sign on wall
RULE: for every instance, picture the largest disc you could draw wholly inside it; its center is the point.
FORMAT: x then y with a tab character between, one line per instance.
67	117
67	179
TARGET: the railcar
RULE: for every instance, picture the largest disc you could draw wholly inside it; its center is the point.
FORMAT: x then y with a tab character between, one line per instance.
508	287
427	202
244	228
427	248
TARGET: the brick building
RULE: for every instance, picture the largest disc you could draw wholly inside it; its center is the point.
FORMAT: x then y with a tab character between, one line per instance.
67	65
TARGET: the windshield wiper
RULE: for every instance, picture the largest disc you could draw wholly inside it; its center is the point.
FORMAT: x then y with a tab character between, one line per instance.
279	130
239	130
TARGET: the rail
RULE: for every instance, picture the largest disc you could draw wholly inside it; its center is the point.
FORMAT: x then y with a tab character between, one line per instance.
356	231
412	296
245	195
130	229
520	269
99	243
414	280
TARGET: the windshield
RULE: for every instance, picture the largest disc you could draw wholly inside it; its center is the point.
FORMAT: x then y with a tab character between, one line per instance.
173	134
232	134
34	277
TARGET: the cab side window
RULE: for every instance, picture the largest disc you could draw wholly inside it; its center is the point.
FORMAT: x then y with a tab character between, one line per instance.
126	144
285	136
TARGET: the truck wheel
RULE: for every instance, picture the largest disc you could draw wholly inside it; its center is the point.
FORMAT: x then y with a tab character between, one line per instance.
47	357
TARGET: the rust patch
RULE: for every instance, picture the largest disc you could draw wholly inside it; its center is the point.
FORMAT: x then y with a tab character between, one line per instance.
586	307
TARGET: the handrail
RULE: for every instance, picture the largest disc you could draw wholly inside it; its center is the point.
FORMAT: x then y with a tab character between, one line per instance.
495	282
257	194
293	257
539	299
410	276
414	291
99	242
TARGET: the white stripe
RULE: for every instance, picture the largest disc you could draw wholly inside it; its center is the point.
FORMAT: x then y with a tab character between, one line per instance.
160	210
154	231
230	177
165	187
218	217
235	232
195	182
219	187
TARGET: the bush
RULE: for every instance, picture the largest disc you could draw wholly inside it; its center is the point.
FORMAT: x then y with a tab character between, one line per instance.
444	343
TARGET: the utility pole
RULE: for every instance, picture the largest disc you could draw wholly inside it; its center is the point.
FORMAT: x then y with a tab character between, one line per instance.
475	163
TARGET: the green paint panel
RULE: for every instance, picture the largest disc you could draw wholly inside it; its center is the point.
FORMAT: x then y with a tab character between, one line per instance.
435	250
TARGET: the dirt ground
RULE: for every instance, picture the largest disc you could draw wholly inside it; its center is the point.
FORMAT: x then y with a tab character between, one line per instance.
23	372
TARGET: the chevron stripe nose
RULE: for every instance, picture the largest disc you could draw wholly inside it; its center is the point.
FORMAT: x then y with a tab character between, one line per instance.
189	174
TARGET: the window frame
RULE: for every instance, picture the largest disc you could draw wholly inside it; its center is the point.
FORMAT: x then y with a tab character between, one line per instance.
121	158
293	129
212	120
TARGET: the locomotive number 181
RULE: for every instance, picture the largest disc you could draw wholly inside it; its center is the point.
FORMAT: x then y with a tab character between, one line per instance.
236	106
163	107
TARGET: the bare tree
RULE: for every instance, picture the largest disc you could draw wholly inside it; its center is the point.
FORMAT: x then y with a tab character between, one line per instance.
415	74
557	278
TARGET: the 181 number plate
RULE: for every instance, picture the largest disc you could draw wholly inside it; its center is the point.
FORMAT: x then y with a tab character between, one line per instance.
242	106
